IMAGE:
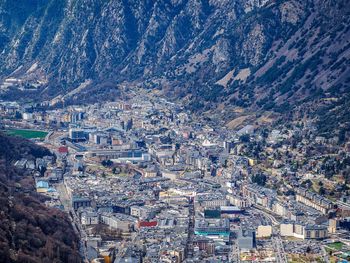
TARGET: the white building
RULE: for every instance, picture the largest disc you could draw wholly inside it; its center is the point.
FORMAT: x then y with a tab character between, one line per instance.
264	231
89	218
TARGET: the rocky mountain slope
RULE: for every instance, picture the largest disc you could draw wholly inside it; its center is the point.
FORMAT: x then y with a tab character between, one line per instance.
260	54
29	231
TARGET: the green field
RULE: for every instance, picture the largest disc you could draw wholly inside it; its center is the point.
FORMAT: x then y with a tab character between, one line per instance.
28	134
336	245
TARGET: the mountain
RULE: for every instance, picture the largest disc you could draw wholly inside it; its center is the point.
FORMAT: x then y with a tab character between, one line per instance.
29	231
257	54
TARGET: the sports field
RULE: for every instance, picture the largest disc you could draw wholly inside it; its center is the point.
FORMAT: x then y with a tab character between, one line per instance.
28	134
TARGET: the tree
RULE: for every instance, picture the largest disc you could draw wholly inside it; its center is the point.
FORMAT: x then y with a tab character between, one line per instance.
245	138
18	115
107	163
307	183
322	191
259	179
290	192
308	250
265	133
42	170
341	136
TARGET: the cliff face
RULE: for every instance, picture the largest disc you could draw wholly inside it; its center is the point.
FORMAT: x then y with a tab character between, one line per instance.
29	231
252	53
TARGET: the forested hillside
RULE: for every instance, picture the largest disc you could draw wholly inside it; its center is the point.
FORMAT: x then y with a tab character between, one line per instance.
29	231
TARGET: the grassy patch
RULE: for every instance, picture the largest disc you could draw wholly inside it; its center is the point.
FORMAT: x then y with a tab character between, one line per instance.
28	134
336	245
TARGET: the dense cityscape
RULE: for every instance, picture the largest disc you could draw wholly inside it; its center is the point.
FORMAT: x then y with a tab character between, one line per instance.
144	180
174	131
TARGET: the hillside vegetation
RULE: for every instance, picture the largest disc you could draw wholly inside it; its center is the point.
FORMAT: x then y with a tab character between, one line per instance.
29	231
260	55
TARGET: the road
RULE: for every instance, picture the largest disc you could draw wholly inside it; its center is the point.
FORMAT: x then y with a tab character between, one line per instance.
65	200
280	253
343	204
235	253
325	255
123	247
277	240
190	229
270	217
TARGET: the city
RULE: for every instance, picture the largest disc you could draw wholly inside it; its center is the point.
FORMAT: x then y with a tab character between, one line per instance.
145	180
